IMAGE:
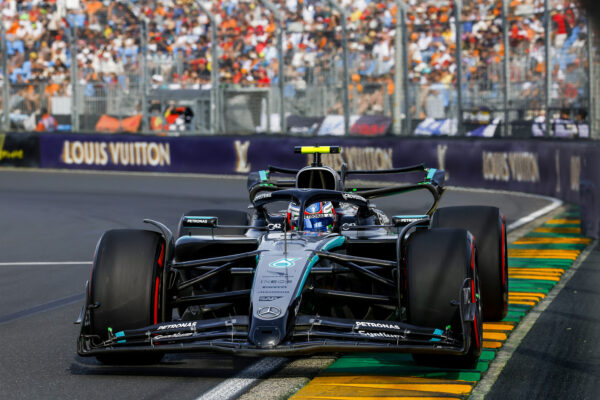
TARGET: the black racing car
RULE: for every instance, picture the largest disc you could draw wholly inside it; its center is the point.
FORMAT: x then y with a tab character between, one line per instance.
312	267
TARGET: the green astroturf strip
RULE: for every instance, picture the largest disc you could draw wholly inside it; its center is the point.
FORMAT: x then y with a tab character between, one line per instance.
555	235
518	308
547	225
522	287
531	282
400	365
549	246
514	315
525	265
541	261
487	355
538	267
514	282
571	214
526	290
516	262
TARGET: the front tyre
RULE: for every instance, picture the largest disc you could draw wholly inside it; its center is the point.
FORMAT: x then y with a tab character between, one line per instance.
125	286
437	263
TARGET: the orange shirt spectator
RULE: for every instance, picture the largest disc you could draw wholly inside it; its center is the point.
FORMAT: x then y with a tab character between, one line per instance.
47	122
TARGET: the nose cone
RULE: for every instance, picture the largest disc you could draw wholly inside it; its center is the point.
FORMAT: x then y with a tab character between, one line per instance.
266	337
267	329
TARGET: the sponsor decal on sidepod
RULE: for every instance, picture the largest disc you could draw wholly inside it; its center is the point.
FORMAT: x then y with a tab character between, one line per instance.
191	325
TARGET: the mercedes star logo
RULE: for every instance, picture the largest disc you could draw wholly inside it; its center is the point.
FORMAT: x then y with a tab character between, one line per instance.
269	312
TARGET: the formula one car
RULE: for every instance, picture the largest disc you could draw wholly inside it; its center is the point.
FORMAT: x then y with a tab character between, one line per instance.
327	273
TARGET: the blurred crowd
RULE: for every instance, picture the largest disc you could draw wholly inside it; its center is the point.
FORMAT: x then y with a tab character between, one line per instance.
107	36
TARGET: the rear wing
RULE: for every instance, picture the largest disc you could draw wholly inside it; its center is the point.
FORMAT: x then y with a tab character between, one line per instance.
264	180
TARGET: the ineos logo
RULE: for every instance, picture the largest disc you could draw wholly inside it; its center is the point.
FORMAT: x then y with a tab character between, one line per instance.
269	312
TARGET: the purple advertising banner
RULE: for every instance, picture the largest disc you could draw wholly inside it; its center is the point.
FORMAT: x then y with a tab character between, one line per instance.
20	150
547	167
136	153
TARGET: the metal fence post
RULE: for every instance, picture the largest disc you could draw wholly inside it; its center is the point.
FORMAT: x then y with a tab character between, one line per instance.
5	83
407	100
280	60
397	74
74	77
458	18
400	108
590	88
144	68
346	80
547	65
506	66
214	70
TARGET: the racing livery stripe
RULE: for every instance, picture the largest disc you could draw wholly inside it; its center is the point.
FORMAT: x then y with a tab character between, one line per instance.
335	242
313	261
431	173
536	262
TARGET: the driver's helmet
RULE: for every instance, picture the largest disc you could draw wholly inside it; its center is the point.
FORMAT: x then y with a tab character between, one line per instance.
318	217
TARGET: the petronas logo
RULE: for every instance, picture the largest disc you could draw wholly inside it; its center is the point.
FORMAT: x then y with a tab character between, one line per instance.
284	263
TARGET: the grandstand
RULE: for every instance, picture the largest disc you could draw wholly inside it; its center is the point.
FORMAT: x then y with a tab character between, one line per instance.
141	58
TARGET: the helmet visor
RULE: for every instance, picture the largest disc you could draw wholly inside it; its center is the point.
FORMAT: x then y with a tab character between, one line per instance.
321	224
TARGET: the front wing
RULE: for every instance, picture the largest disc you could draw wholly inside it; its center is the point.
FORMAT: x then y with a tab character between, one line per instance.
311	334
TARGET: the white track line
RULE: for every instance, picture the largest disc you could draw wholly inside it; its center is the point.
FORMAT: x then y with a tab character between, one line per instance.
554	204
514	340
233	387
43	263
534	215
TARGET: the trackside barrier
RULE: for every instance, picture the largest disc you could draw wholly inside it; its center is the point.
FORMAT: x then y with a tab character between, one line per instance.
590	218
546	167
19	150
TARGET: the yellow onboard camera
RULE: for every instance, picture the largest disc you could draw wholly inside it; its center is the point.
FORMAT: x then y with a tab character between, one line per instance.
317	149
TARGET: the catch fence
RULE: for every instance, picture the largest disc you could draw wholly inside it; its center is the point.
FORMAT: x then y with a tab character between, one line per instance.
426	67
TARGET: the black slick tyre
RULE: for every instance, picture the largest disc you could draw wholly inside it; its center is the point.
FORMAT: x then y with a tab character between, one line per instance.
488	226
124	288
225	217
437	263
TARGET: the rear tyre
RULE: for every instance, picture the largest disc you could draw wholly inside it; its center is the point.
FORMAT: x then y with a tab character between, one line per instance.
225	217
488	226
438	261
125	286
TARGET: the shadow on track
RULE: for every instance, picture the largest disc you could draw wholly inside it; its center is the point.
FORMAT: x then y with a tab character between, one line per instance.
188	365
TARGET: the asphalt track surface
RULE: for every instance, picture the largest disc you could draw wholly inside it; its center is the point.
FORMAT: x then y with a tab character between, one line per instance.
560	356
59	217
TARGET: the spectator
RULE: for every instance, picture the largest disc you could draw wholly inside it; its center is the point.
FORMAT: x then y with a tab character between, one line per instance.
47	123
179	48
